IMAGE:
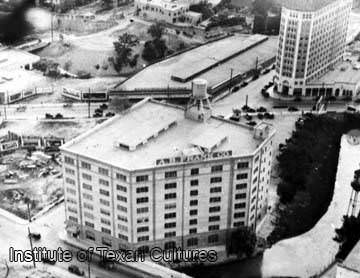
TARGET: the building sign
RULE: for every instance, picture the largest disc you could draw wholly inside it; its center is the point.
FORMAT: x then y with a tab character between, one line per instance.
193	158
9	146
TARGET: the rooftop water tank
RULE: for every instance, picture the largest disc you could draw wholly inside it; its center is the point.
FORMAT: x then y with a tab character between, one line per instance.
199	88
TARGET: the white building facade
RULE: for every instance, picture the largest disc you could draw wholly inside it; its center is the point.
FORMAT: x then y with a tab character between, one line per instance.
190	200
312	41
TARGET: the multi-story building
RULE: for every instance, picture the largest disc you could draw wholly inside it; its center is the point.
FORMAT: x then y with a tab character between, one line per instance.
161	175
167	11
312	41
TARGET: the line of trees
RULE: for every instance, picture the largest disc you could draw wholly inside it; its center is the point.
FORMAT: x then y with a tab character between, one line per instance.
307	168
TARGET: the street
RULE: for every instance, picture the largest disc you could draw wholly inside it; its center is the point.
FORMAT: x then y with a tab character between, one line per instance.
14	235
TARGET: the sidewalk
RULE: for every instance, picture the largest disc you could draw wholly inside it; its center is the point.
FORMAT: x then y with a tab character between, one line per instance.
148	268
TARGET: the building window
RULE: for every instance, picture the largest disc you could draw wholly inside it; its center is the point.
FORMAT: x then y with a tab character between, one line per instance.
240	205
121	177
87	186
123	237
87	196
239	214
215	199
142	210
193	212
193	222
142	178
142	189
122	218
105	221
213	238
121	198
103	171
104	192
105	212
85	165
241	186
70	181
193	202
88	215
70	171
242	176
214	209
103	182
170	225
170	215
169	234
240	196
122	208
192	241
214	228
215	189
121	188
243	165
215	179
89	235
193	231
170	185
214	218
170	196
143	238
216	168
86	176
194	171
171	174
69	160
239	224
104	202
106	231
142	200
170	206
194	193
194	182
143	229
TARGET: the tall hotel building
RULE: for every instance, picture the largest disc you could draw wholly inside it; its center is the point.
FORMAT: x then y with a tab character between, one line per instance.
312	41
164	175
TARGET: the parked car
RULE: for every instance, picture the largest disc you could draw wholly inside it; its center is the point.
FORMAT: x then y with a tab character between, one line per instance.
103	106
47	260
49	116
261	109
110	114
260	116
21	108
97	115
76	270
235	89
67	105
248	117
59	116
269	116
251	123
98	110
292	109
35	236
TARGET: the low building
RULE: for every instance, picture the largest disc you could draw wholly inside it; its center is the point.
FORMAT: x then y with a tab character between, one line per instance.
161	175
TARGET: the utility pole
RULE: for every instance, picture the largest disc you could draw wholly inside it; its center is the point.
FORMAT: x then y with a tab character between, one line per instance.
231	76
31	246
28	209
246	101
5	111
89	265
89	104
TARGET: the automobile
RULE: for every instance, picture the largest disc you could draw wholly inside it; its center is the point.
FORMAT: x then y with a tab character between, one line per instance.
35	236
103	106
98	110
110	114
48	116
235	89
47	260
59	116
21	108
251	110
251	123
234	118
248	117
97	115
261	109
76	270
260	116
67	105
256	76
292	109
244	84
351	108
269	116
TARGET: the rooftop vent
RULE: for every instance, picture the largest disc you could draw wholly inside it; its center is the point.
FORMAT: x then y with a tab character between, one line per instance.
141	134
209	140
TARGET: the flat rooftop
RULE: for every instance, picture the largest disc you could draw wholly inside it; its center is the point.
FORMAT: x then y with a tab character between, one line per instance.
165	4
306	5
14	58
209	55
159	74
342	73
102	142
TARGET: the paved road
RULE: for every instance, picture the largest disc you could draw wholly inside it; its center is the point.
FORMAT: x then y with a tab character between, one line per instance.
49	225
38	111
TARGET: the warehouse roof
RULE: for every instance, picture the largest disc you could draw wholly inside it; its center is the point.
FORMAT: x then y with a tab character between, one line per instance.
176	137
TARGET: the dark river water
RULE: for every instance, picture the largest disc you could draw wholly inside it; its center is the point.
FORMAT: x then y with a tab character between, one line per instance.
244	268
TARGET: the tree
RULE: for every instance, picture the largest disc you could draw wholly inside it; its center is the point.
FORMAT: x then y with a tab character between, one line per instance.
154	50
123	51
243	241
156	31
